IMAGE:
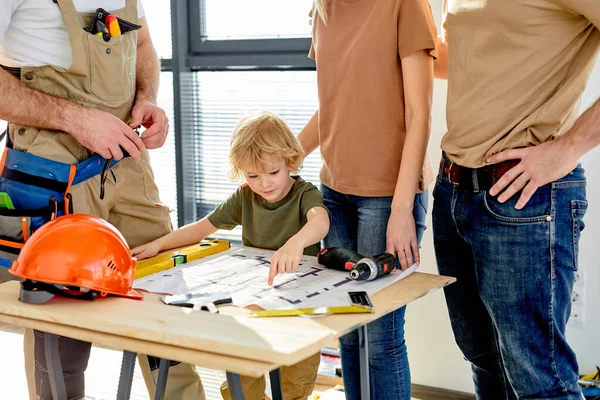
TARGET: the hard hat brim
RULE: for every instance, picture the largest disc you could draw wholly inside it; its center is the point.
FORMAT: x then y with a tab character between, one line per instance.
134	294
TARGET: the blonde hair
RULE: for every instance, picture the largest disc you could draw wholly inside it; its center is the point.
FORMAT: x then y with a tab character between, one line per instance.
320	9
260	136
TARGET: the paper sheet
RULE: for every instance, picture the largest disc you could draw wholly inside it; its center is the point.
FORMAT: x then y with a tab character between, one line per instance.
243	272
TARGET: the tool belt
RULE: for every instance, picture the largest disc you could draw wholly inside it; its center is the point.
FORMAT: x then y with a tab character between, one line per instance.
475	178
35	190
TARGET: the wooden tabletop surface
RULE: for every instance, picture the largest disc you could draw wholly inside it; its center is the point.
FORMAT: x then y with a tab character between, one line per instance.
133	325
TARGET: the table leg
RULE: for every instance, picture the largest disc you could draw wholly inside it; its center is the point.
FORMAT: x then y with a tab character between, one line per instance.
55	373
126	378
363	355
163	374
276	388
235	386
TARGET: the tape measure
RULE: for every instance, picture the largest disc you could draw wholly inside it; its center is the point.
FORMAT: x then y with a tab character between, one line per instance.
294	312
182	256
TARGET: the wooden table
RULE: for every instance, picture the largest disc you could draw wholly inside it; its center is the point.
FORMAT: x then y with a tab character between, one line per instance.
227	341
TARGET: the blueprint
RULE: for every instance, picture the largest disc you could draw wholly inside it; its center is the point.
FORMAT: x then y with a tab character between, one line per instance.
243	272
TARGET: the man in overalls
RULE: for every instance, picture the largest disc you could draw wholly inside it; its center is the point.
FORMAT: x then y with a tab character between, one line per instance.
77	94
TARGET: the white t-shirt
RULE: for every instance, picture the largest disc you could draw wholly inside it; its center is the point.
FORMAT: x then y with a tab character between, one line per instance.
32	32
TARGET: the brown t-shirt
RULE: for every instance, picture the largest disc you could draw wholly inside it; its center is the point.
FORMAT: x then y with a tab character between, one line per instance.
517	69
361	96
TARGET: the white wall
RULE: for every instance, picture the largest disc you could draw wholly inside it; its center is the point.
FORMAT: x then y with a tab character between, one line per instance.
434	356
584	339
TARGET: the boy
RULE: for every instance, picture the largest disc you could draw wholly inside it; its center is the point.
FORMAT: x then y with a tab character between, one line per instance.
276	211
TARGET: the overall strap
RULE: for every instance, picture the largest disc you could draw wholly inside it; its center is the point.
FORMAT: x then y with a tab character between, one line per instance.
66	6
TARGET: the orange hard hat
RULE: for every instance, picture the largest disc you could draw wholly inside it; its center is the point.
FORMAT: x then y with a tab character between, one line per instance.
79	254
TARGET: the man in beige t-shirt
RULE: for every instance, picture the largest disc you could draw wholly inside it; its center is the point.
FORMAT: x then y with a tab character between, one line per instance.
510	195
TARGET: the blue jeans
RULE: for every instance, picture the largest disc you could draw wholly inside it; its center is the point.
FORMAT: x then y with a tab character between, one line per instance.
360	223
515	272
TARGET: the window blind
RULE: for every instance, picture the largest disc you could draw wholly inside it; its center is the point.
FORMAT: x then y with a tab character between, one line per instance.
220	99
163	159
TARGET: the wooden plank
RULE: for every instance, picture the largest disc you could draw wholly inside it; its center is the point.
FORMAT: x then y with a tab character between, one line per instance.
114	342
281	341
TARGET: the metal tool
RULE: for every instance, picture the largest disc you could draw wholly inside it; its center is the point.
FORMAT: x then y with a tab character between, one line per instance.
338	258
368	269
207	301
360	304
361	268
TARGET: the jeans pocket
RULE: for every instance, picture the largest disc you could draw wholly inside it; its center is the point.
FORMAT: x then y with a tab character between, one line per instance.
578	210
537	209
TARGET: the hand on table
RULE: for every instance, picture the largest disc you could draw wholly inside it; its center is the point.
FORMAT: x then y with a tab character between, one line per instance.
286	259
147	250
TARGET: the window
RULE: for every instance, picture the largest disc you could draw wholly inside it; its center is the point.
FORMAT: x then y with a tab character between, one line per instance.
257	19
158	16
221	98
231	57
163	159
268	34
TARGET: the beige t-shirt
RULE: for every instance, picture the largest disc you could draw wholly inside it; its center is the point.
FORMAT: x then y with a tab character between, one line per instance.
517	69
361	96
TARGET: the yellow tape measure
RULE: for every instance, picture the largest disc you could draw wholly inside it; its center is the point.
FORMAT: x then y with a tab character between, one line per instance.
185	255
293	312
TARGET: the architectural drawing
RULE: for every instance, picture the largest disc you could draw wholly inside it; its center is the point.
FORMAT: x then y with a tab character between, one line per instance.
243	272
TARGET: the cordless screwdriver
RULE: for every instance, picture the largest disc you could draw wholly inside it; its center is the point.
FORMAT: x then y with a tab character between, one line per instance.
368	269
338	258
361	268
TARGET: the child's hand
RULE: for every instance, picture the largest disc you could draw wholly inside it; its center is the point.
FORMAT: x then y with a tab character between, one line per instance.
147	250
286	259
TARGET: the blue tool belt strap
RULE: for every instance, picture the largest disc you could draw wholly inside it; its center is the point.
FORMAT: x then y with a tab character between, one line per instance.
39	191
30	181
52	175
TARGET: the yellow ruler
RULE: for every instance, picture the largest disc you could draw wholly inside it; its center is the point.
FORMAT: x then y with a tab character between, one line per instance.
293	312
169	260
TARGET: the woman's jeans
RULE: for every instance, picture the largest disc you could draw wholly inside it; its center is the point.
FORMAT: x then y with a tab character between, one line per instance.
360	224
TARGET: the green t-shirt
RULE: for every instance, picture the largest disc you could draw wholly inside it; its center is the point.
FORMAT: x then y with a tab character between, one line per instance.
269	225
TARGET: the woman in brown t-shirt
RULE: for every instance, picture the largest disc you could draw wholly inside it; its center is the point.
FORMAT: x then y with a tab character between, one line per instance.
375	79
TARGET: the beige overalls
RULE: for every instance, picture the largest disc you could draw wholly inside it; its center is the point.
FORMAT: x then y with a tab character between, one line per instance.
102	76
